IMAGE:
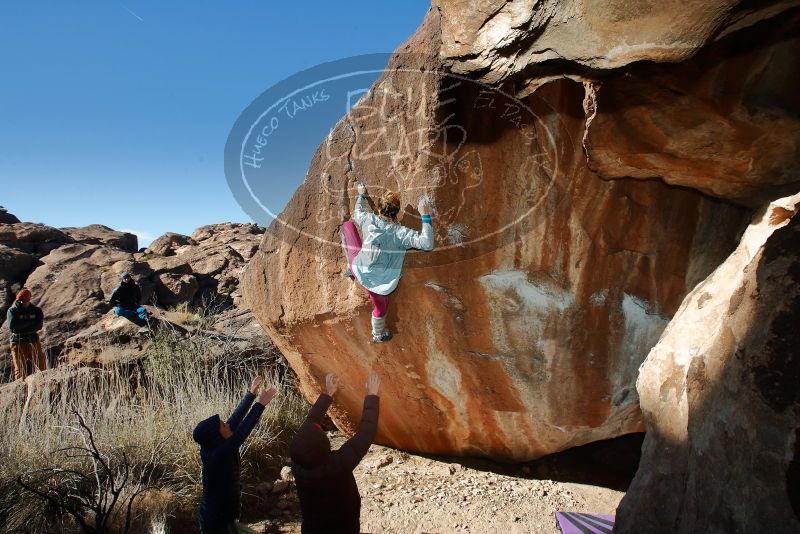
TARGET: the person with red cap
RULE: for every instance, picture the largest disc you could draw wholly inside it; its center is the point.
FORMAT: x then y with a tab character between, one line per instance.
329	498
24	320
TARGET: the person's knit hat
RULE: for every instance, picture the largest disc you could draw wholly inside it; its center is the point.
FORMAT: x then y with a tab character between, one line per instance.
24	293
124	275
310	446
206	433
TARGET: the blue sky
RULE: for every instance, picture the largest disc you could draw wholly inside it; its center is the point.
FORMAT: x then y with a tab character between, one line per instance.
118	113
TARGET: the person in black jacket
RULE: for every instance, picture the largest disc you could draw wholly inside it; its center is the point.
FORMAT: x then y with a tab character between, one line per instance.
126	298
24	320
219	451
329	498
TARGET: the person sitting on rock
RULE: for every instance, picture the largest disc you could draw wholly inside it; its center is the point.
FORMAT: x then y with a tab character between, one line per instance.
24	320
126	298
329	498
219	452
377	263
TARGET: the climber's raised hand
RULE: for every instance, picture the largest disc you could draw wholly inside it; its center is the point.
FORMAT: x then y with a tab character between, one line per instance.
331	383
373	384
424	205
266	396
255	384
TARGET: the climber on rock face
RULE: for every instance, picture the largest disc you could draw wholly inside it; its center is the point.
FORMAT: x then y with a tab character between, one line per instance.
126	298
377	263
24	320
329	498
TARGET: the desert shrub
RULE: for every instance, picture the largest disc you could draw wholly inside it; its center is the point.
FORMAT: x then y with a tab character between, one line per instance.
147	411
150	256
184	314
100	498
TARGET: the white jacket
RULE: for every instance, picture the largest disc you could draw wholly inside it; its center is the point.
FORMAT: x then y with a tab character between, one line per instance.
379	265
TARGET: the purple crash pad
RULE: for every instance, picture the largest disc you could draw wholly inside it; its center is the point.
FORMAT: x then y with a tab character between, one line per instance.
576	523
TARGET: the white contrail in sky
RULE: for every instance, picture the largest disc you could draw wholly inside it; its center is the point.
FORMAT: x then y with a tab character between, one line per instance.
134	14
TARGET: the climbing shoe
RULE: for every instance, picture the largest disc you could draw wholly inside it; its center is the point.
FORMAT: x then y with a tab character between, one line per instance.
379	332
382	338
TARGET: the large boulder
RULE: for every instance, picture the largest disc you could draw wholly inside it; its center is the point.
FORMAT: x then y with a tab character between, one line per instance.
210	265
720	396
67	286
110	340
167	244
522	334
497	39
172	289
114	341
6	217
97	234
213	239
15	266
166	264
32	238
214	256
725	123
244	238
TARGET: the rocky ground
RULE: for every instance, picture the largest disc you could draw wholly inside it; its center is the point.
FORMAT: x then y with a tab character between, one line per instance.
403	493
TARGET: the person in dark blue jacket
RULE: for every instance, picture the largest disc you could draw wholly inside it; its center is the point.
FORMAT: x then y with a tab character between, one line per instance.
126	298
219	451
329	498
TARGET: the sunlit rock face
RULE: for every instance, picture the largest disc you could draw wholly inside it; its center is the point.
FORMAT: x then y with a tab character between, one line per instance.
498	39
720	396
724	120
522	334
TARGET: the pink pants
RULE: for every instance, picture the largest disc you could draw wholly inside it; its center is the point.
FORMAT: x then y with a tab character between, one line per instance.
352	246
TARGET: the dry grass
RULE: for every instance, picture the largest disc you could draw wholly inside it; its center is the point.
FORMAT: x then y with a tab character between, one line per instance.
139	408
184	315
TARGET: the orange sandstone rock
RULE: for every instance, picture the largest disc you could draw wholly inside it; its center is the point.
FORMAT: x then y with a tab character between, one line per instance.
522	333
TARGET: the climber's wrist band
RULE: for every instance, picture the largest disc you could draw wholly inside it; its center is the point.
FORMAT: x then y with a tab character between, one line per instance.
426	219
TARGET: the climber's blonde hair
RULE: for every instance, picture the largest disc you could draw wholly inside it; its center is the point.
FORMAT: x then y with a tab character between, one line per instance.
389	205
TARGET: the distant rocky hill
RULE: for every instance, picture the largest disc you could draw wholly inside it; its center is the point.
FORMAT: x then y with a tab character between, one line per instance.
72	272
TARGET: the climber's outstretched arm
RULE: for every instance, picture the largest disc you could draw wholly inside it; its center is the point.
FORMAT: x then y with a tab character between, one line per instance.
420	240
356	447
360	212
